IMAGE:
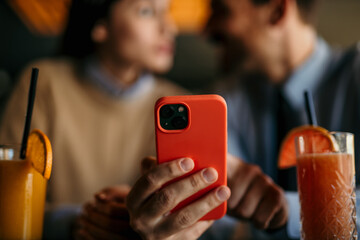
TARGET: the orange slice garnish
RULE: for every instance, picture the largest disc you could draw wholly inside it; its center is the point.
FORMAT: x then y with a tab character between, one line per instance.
320	138
39	152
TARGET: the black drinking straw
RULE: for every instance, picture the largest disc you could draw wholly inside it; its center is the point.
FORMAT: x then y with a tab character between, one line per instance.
31	100
310	109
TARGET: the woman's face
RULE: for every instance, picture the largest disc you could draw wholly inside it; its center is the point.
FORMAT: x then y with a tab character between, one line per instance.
140	33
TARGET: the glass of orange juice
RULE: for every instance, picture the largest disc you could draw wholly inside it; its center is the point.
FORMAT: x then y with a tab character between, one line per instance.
326	184
22	197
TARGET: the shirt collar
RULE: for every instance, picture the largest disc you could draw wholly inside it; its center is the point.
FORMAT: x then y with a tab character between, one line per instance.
106	82
308	75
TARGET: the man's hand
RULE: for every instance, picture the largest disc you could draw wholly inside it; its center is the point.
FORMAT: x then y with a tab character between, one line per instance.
149	202
106	217
255	196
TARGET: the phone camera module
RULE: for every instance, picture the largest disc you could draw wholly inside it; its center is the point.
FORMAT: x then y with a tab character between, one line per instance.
174	117
179	122
166	111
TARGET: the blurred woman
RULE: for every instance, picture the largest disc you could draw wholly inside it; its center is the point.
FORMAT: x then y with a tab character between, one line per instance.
96	101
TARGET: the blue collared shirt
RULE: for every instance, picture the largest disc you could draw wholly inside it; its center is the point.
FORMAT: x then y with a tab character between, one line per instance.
252	114
111	86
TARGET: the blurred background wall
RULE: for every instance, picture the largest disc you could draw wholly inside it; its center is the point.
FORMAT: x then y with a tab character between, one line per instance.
339	21
195	65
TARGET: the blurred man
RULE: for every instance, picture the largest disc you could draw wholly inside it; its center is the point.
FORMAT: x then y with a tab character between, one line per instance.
274	54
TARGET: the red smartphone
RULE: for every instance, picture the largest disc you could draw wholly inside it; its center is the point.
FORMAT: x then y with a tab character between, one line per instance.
194	126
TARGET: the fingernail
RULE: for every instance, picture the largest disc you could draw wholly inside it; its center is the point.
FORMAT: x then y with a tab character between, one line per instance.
223	194
187	164
209	175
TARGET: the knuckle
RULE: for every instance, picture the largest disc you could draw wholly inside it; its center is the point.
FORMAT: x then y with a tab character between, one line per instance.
150	180
243	212
195	181
211	202
267	180
184	218
165	198
278	195
264	182
256	170
171	169
252	169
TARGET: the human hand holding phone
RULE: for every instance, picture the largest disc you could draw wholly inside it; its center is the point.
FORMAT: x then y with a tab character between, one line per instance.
149	203
194	126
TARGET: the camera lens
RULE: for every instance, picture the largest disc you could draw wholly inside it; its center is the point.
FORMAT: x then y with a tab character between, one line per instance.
179	122
166	111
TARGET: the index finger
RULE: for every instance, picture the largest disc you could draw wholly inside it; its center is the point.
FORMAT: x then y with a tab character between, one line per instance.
155	178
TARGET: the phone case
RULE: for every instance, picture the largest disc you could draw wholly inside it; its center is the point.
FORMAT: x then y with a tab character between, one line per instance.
204	140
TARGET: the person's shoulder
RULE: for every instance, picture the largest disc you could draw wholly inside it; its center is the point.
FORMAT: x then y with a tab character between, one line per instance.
52	71
230	87
50	66
345	60
356	61
342	70
167	87
226	85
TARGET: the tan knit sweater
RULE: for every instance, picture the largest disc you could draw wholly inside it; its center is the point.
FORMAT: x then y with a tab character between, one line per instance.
97	140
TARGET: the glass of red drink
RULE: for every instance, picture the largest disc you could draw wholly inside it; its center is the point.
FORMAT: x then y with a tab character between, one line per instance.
326	185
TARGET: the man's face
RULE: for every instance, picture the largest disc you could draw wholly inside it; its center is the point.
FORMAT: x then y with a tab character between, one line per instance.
242	29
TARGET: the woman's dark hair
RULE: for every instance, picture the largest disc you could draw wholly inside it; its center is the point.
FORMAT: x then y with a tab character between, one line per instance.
83	16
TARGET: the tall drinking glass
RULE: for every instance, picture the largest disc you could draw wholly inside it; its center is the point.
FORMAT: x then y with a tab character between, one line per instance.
326	183
22	197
